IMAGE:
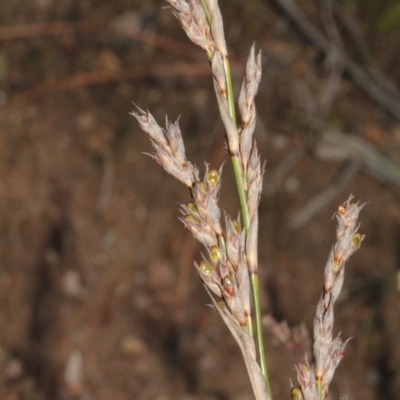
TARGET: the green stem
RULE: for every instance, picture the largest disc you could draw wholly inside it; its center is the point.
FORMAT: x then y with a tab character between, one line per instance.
259	336
319	389
238	171
205	8
229	88
239	177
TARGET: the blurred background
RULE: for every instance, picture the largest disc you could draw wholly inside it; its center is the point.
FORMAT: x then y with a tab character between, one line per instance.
98	295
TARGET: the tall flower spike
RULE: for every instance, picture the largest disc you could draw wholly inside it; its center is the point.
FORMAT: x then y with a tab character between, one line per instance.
327	351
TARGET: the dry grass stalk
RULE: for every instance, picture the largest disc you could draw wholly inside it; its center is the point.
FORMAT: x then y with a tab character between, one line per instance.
224	269
231	253
229	267
328	352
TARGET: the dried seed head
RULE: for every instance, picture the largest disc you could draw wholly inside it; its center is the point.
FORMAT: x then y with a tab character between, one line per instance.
327	351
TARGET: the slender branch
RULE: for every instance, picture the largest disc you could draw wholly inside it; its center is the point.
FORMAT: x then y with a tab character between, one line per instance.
224	90
372	84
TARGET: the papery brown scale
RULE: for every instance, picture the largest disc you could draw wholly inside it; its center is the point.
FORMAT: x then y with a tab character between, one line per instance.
243	283
174	136
232	242
223	270
212	216
200	232
169	163
198	15
217	27
219	73
150	126
200	196
180	5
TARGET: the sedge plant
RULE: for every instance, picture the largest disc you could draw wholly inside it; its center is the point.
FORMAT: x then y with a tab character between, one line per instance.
229	268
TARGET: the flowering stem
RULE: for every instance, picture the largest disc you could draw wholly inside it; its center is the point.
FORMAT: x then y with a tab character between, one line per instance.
238	171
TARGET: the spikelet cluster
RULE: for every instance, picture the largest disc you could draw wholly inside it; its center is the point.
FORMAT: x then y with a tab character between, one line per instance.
328	351
231	253
224	267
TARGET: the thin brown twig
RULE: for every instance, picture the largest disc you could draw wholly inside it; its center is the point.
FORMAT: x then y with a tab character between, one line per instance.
363	49
333	58
23	31
29	31
373	86
107	181
103	77
343	178
354	31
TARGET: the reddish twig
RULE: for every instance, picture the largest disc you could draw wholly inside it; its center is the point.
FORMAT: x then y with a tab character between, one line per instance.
28	31
103	77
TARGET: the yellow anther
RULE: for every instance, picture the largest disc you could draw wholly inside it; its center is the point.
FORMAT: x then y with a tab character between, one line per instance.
192	208
206	268
213	177
215	253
